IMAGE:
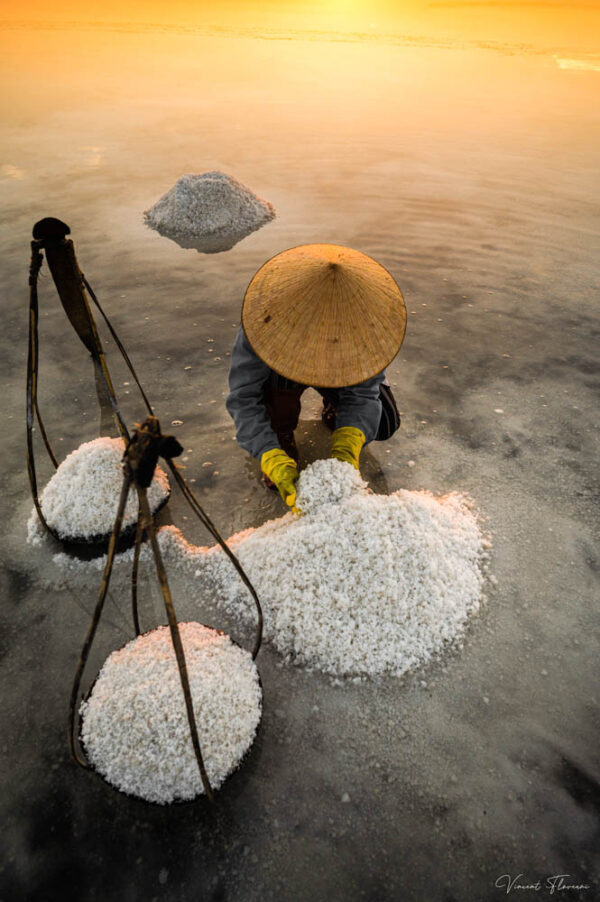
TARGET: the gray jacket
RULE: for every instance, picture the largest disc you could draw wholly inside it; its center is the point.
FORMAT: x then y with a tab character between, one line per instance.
357	405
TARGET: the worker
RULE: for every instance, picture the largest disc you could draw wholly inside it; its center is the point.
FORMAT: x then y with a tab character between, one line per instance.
320	316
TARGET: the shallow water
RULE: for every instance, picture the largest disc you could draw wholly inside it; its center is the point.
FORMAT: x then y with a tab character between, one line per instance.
461	152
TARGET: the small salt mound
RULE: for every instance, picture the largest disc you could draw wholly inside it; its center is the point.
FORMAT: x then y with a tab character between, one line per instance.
134	725
326	482
80	501
209	205
370	584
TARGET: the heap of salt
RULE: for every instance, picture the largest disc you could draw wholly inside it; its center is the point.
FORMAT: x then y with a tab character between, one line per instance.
360	583
209	206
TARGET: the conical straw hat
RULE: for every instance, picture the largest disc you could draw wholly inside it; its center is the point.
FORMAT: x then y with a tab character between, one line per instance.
324	315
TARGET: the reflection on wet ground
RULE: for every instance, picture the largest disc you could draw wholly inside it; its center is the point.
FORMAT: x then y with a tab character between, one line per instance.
211	244
470	176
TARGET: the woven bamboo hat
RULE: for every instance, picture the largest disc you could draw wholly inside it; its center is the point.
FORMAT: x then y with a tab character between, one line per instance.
324	315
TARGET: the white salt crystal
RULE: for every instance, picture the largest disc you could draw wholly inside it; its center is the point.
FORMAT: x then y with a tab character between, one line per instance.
81	498
208	205
361	583
134	725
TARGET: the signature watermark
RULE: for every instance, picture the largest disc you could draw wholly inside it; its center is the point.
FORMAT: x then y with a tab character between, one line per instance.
556	883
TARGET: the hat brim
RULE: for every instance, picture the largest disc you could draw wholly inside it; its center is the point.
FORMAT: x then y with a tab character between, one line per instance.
324	315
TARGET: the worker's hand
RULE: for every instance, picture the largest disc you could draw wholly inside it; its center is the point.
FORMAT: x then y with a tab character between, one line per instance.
283	471
346	444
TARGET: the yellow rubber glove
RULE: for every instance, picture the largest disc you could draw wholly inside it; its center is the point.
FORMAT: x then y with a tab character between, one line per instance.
346	444
283	471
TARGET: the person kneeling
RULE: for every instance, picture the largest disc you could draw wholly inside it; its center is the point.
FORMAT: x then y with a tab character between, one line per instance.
320	316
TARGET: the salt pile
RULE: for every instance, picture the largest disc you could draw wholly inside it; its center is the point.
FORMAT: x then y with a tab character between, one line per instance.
361	584
80	501
210	205
134	725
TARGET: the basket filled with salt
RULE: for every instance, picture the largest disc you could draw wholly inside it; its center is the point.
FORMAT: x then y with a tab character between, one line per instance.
80	499
134	728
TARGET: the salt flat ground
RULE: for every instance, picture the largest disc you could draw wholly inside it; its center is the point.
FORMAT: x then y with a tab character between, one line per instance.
469	171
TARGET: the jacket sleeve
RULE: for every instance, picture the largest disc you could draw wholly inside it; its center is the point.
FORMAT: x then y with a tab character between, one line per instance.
248	376
360	406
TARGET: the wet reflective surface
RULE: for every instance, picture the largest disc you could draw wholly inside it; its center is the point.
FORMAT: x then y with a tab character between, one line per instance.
463	156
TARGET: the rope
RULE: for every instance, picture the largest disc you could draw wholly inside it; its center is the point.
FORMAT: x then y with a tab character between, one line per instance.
139	532
32	381
207	522
118	343
87	645
175	638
